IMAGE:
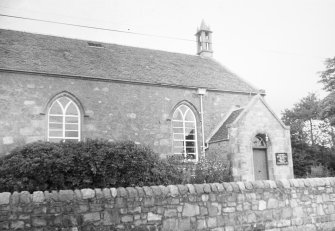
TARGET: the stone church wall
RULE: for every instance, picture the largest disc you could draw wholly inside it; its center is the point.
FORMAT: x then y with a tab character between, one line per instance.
284	205
115	111
219	150
259	120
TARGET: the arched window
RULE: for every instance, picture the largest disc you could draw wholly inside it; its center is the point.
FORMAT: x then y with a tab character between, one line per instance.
184	133
260	141
63	120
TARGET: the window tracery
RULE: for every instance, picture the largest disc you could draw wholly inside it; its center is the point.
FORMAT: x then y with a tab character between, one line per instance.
184	133
63	120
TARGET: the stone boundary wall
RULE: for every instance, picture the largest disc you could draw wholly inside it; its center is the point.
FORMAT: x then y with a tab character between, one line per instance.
297	204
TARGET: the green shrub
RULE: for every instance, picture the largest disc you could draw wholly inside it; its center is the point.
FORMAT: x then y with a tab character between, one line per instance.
212	170
90	164
320	170
206	170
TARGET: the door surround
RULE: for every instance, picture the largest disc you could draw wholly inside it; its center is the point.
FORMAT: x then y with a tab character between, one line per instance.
260	158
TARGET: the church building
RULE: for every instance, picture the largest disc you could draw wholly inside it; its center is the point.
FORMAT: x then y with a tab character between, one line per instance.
57	89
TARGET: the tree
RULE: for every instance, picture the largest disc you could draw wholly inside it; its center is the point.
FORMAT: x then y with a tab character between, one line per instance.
328	80
306	111
328	75
312	132
296	125
328	108
311	137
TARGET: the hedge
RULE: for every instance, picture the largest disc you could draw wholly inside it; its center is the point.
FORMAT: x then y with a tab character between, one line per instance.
89	164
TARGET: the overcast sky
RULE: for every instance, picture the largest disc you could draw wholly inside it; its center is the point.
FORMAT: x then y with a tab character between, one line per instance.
277	45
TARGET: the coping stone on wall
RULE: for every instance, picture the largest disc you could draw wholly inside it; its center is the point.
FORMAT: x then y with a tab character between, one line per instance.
113	192
301	183
48	196
314	182
258	184
307	183
272	184
164	190
248	185
88	193
235	187
332	180
294	183
147	190
191	188
66	195
241	186
199	188
173	190
132	192
327	182
320	182
121	192
38	197
140	191
213	187
182	189
156	190
283	183
98	193
25	196
219	187
77	194
107	193
15	198
207	188
5	198
266	184
228	187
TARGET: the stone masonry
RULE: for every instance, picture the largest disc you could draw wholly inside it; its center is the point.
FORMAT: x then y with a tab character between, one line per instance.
258	119
114	111
283	205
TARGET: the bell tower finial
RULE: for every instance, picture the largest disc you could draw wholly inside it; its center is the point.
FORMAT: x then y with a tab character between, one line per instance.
204	40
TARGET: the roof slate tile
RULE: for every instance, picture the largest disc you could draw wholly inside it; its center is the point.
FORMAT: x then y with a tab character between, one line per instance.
58	55
222	132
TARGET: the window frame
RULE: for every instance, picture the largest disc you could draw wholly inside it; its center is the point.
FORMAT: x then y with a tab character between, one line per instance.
184	134
64	116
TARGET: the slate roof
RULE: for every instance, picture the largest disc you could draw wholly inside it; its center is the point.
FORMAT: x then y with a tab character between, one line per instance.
222	132
58	55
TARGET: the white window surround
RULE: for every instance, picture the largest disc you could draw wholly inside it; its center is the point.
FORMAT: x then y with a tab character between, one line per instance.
64	120
184	128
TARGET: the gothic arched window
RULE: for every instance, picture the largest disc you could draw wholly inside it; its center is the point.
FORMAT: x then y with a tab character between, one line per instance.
63	120
260	141
184	133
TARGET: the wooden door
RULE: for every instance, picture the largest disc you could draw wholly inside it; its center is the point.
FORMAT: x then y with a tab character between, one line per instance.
260	164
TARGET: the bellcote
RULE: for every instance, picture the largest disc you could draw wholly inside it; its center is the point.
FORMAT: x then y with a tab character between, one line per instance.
204	40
